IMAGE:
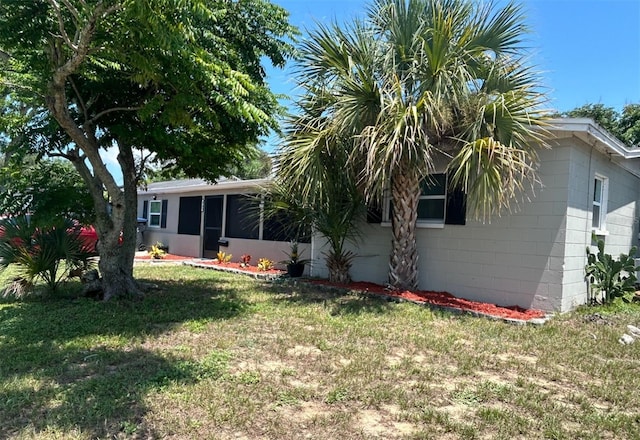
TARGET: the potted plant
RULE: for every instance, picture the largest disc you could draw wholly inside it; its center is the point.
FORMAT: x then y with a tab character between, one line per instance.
295	265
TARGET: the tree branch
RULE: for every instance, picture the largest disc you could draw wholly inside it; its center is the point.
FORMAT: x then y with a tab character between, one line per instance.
63	31
80	100
84	40
142	164
57	103
72	9
111	110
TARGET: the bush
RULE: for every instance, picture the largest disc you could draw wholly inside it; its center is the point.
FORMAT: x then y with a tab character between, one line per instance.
48	253
609	278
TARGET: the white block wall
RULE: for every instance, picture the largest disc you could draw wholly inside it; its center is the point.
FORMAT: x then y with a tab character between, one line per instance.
621	220
533	258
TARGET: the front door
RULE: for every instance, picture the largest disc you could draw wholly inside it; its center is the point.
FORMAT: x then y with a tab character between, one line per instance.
212	225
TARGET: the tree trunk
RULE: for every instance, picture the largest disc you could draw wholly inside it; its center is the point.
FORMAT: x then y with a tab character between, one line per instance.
118	250
339	266
403	264
115	212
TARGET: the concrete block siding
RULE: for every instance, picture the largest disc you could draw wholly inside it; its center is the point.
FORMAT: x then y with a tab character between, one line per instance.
532	258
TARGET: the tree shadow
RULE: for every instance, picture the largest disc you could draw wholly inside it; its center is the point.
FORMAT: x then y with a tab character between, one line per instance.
60	369
338	301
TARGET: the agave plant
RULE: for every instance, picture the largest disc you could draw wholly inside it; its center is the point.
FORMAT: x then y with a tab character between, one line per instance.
48	253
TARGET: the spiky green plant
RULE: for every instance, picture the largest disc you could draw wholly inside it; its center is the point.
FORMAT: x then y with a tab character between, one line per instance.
45	252
610	278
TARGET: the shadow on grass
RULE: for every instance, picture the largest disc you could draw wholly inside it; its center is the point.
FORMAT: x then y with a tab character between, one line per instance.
339	301
68	365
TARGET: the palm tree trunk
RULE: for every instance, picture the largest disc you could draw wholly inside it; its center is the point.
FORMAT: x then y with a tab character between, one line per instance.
405	194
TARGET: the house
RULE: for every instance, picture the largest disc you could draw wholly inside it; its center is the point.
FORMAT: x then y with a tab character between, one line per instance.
533	258
198	219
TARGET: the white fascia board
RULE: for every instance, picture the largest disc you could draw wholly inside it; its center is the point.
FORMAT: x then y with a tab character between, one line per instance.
247	185
603	139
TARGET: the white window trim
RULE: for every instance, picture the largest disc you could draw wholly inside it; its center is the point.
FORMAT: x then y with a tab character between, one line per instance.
420	223
601	230
158	214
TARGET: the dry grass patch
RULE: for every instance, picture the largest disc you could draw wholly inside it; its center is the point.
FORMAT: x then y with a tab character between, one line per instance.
224	357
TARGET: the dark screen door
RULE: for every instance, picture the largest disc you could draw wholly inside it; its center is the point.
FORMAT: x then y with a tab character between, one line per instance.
212	225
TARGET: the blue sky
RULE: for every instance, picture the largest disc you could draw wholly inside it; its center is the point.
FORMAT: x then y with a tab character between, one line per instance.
588	50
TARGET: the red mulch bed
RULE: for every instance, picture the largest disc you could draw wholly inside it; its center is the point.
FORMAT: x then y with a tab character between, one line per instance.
252	269
167	257
444	299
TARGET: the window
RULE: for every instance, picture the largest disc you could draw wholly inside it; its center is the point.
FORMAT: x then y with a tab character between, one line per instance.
433	197
438	204
243	217
157	214
189	215
600	194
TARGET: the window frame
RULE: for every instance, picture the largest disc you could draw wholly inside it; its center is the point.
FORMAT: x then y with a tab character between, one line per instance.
422	223
599	206
152	214
428	197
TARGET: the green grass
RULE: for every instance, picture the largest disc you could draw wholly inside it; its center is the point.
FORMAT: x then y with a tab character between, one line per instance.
210	355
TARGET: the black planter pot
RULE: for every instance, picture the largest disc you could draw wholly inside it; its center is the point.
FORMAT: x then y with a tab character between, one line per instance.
295	270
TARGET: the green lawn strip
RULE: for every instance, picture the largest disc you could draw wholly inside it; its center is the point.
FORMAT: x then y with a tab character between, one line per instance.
213	355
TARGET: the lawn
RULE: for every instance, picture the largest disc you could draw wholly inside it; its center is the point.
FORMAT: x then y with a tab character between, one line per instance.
219	356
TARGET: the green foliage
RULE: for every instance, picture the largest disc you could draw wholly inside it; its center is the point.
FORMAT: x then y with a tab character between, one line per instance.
610	278
191	89
48	253
264	264
254	166
47	189
293	256
157	251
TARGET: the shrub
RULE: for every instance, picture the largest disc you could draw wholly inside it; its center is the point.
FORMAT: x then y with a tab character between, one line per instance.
48	253
223	257
157	251
610	278
245	259
265	264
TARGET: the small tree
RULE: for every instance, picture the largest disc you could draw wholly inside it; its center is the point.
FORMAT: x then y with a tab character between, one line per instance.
415	79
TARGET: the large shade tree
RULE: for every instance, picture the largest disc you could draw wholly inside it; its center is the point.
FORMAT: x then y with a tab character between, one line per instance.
168	80
416	79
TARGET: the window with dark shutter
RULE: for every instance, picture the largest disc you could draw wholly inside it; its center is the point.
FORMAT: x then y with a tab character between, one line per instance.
163	214
189	218
243	219
456	207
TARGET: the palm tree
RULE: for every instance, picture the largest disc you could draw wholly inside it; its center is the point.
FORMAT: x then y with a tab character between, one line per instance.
313	184
416	79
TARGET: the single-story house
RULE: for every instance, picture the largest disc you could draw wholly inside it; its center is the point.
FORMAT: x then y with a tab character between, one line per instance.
533	258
